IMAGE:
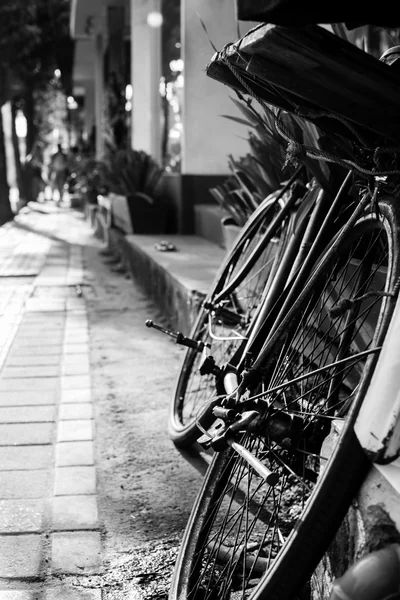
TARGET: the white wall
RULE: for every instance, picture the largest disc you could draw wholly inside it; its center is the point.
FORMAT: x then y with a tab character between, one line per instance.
208	138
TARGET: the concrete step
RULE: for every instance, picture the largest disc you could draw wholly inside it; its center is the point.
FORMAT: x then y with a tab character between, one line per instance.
177	280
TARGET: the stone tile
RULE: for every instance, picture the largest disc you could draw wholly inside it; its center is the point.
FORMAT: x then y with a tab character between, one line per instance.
76	430
30	371
76	369
40	333
82	348
30	342
80	410
71	382
25	457
74	512
19	516
70	481
20	556
22	434
70	360
76	336
70	594
27	397
24	484
27	414
77	552
76	322
36	350
45	305
76	395
53	320
27	329
69	454
31	360
20	595
29	383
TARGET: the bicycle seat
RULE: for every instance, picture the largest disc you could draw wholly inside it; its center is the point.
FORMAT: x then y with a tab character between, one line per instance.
313	73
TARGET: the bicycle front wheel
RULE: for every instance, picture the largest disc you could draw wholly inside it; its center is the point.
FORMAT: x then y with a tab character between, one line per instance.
225	317
248	539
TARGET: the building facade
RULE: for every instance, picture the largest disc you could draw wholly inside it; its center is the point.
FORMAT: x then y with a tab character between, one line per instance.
172	110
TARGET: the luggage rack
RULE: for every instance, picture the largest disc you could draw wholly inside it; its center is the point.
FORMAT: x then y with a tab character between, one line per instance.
317	75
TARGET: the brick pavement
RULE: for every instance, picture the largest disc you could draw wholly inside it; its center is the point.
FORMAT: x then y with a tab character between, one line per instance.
49	524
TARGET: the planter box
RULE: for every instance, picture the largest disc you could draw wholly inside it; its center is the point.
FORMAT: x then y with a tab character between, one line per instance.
230	231
133	214
120	214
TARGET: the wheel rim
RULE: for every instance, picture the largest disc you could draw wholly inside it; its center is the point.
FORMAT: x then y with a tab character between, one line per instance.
246	524
223	328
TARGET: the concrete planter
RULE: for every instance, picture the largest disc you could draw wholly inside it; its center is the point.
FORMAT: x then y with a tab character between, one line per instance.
230	231
134	214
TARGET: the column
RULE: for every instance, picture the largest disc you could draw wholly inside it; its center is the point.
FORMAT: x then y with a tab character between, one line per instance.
145	77
99	95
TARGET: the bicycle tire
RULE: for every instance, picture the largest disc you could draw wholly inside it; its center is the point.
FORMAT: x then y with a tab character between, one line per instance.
270	550
192	393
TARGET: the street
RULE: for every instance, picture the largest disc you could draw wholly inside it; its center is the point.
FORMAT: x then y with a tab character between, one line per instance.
94	496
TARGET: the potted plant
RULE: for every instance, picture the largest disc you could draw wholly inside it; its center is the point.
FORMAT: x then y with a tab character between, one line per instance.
263	169
136	176
89	181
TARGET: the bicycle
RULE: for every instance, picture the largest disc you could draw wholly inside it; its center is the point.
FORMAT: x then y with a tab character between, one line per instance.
287	463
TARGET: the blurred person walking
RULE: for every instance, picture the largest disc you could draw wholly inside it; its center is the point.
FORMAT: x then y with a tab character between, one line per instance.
58	173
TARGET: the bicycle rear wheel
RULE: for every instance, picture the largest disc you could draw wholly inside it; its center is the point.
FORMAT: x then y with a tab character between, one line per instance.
225	317
248	539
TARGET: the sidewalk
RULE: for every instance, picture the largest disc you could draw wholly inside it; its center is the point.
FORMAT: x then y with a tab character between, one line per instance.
49	525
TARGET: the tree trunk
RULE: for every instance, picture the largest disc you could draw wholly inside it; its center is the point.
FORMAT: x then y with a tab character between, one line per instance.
6	213
29	111
17	157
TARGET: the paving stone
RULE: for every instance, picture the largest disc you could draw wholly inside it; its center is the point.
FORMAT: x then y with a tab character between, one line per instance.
81	410
52	320
24	484
70	360
77	369
39	327
27	397
29	383
76	430
20	595
32	371
69	454
76	322
36	350
69	594
32	343
76	348
22	434
77	552
40	333
25	457
70	481
20	556
74	512
76	395
70	382
16	360
27	414
45	305
18	516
